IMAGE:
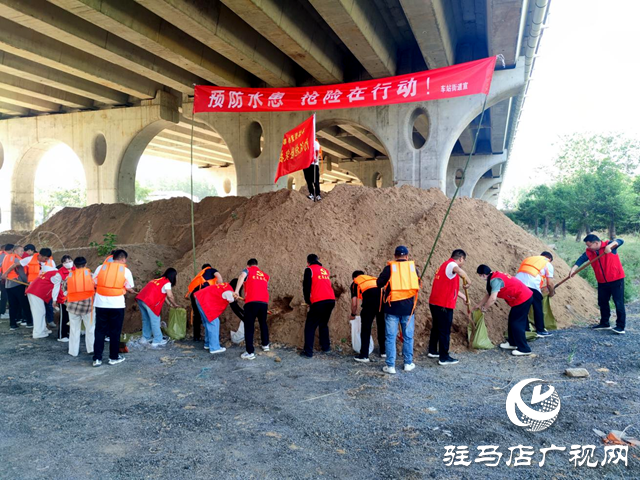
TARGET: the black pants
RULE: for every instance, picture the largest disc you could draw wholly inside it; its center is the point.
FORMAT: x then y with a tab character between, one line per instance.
108	324
197	319
253	310
605	292
63	328
18	305
312	177
442	319
367	315
538	312
48	308
3	298
517	326
318	318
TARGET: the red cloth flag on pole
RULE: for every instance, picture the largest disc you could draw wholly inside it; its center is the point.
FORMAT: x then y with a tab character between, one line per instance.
297	148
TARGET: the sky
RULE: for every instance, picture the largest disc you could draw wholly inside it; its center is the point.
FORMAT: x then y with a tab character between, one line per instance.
584	80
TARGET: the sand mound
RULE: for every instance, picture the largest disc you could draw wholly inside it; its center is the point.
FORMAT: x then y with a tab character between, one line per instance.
351	228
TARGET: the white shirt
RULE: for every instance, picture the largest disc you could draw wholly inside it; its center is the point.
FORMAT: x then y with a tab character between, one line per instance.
166	288
25	261
112	302
534	282
316	151
228	296
449	270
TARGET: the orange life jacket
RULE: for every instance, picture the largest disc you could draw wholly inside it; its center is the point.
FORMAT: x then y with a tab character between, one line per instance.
404	282
198	281
533	265
33	268
364	283
109	259
80	285
10	259
111	280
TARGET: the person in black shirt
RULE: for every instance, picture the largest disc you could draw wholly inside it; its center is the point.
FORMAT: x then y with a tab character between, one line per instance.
371	308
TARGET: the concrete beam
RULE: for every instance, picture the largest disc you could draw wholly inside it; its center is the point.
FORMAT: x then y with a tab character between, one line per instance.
34	46
178	132
51	77
10	109
499	121
59	24
362	29
197	149
505	23
433	26
145	29
200	142
287	25
28	102
219	28
333	149
365	137
160	146
352	144
15	84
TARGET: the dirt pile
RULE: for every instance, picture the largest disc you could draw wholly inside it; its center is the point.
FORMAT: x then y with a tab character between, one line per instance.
351	228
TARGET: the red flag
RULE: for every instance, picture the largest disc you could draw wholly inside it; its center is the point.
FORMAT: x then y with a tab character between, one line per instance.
297	148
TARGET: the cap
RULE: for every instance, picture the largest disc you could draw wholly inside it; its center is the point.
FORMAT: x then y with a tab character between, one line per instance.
401	250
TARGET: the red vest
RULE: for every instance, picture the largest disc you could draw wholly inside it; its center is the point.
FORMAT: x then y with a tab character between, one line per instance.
321	288
444	291
211	301
514	291
256	286
152	295
608	268
64	272
42	287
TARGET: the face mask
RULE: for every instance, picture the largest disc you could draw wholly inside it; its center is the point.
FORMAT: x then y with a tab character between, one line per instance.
68	265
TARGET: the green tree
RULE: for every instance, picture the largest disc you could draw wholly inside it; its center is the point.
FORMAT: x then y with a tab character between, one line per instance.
49	200
142	193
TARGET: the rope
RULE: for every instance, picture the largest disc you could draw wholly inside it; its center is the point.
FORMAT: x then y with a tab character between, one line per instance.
455	194
193	227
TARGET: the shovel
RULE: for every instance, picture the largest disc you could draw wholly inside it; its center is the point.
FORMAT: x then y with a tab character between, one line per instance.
580	269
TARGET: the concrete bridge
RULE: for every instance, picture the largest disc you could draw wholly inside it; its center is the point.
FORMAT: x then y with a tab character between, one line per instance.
114	79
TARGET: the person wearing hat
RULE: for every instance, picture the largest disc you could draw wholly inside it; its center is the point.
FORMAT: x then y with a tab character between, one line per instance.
400	284
518	297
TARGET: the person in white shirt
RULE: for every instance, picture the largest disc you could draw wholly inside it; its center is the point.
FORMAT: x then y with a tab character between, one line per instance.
531	272
113	280
312	174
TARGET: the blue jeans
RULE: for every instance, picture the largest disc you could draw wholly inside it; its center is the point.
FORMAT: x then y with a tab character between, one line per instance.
150	323
211	331
408	324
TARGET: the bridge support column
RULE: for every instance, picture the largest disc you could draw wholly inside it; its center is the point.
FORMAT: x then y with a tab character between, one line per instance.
478	166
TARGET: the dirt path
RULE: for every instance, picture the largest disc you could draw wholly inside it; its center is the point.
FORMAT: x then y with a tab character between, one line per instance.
178	413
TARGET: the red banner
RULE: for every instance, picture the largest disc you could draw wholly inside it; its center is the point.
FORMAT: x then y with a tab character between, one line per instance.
297	148
455	81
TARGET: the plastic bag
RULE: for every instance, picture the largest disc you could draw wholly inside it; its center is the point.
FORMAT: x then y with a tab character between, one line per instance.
477	332
549	320
356	329
177	328
238	337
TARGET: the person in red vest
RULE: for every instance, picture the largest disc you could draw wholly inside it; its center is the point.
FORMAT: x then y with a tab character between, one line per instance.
79	305
32	264
256	305
445	292
207	276
211	302
150	300
319	295
15	277
364	290
518	297
610	277
40	291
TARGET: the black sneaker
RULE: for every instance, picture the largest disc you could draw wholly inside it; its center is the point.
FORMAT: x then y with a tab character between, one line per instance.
433	355
601	326
361	360
311	197
118	360
448	361
543	334
618	330
14	327
304	354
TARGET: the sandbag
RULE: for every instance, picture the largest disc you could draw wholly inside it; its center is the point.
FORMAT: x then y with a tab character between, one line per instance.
477	332
177	327
356	329
238	337
549	320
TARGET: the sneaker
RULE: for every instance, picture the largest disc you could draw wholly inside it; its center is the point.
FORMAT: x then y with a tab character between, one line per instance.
107	339
449	361
507	346
310	197
328	350
601	326
248	356
383	355
543	334
266	348
31	326
22	322
318	198
409	366
143	341
120	359
45	335
14	328
161	343
361	360
4	316
518	353
618	330
388	369
97	363
49	332
52	325
433	355
220	350
206	347
63	340
304	354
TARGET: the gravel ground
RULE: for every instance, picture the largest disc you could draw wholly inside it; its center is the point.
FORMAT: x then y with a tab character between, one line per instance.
178	412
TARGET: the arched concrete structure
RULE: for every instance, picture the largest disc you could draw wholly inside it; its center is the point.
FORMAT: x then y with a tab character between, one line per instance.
478	166
484	186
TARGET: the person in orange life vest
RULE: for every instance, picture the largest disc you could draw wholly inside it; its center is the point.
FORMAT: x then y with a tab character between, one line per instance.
79	305
364	290
150	300
610	277
4	315
518	297
319	295
531	272
256	304
207	276
211	302
445	292
113	280
40	291
400	285
15	277
64	269
29	250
